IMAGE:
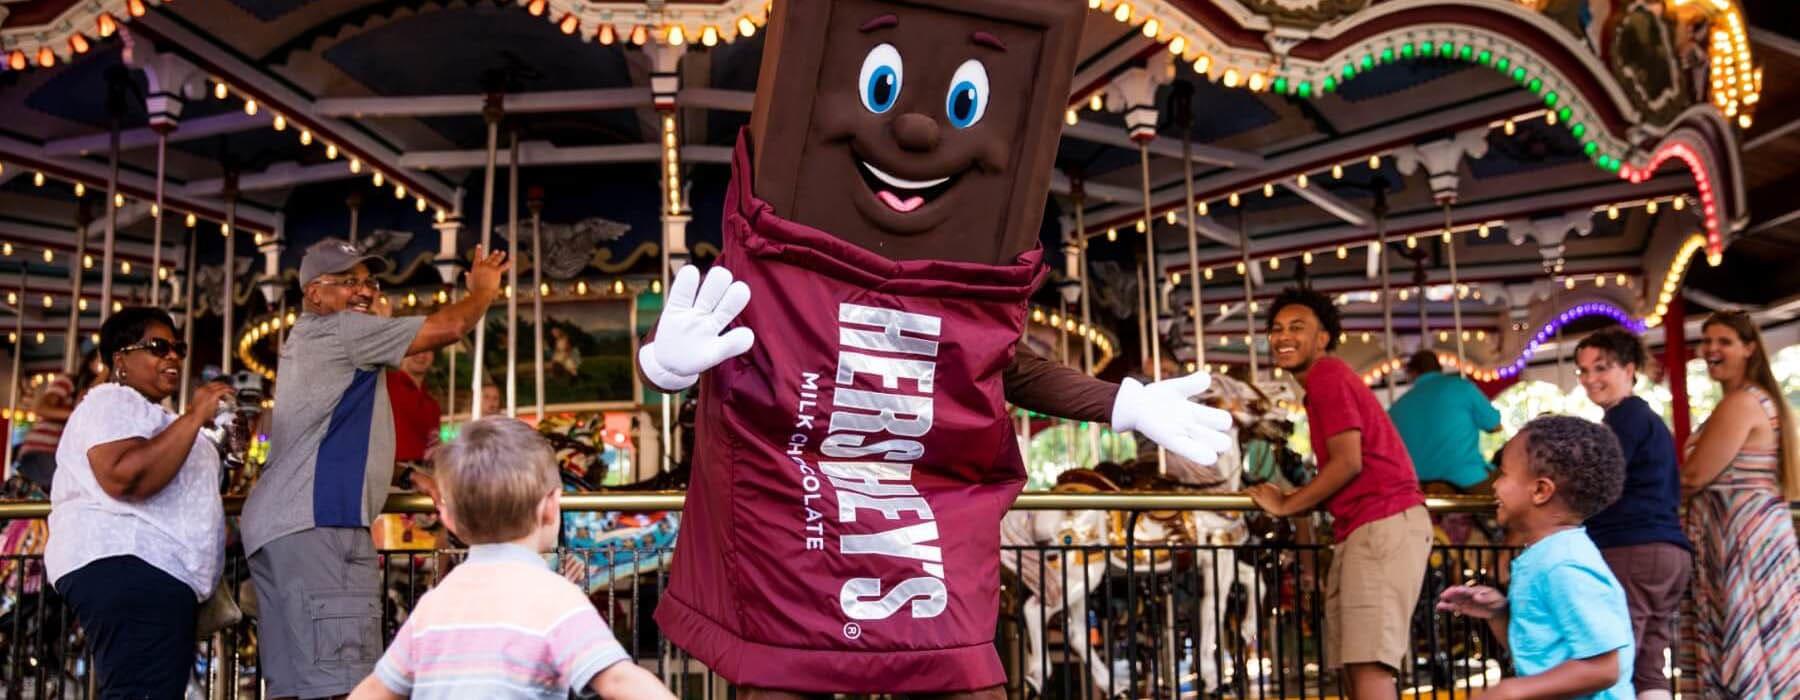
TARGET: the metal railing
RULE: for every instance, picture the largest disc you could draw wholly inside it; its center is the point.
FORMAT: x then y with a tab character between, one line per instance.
651	501
1130	619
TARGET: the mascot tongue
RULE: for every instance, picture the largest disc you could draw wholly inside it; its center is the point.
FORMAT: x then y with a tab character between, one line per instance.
898	204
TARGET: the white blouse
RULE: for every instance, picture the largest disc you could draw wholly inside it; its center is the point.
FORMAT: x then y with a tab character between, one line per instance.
180	530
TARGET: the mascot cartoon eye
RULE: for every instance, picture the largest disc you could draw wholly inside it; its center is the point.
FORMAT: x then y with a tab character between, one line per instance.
968	96
879	82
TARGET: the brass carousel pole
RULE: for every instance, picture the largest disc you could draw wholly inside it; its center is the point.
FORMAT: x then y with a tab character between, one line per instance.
1424	308
492	111
1249	294
354	202
1194	301
72	342
230	300
536	203
187	328
1143	333
512	279
1387	298
18	354
1087	320
1153	275
1462	360
1087	345
156	225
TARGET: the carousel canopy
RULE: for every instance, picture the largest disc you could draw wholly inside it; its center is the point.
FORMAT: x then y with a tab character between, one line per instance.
1579	161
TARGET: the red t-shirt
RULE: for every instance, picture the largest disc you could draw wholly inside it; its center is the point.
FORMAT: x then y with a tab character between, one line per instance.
1336	401
842	532
416	417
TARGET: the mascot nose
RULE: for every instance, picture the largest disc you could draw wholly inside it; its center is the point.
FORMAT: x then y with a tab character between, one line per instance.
916	132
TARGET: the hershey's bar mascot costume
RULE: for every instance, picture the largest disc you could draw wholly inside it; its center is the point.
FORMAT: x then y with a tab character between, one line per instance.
854	454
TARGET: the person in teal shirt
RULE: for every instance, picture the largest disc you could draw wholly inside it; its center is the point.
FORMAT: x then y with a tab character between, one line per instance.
1564	617
1441	419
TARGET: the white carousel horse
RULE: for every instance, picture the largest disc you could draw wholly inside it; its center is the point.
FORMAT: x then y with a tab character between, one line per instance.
1043	572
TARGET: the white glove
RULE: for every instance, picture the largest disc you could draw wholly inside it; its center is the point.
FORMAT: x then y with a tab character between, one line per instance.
1163	413
688	339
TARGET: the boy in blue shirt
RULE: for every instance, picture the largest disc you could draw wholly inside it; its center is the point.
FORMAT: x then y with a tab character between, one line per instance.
1566	621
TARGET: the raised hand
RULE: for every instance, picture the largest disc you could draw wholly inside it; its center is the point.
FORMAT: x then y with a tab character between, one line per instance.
1163	413
485	274
691	336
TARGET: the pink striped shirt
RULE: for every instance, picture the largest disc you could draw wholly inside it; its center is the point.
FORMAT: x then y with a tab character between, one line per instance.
501	625
45	433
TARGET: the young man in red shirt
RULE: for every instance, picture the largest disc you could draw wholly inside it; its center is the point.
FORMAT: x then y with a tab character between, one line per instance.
1366	481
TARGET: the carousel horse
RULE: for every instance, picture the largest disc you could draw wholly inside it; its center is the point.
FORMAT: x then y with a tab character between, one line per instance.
1260	447
614	547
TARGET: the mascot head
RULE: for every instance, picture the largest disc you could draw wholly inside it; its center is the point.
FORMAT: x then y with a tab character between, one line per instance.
918	129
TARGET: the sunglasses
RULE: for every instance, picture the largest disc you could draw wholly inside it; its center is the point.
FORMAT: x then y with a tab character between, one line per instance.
352	283
159	347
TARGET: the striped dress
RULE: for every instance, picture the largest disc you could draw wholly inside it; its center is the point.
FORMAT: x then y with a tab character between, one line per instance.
1746	579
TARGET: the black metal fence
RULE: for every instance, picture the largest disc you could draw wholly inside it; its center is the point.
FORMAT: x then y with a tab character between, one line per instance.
1162	621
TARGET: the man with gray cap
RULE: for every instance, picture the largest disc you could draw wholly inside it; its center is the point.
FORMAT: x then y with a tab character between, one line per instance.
331	455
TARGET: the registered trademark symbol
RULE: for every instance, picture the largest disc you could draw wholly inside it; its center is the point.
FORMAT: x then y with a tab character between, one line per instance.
852	630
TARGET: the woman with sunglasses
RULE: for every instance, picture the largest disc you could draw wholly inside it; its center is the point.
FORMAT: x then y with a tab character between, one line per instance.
137	533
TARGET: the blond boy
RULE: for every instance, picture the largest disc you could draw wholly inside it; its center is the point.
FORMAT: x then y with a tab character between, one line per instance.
502	624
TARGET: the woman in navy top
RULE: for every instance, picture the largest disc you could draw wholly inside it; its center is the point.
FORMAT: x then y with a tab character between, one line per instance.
1640	534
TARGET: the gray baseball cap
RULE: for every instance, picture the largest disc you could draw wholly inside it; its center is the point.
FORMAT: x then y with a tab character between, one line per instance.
333	256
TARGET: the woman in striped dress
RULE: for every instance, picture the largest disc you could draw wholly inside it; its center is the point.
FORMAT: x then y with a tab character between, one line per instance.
1742	468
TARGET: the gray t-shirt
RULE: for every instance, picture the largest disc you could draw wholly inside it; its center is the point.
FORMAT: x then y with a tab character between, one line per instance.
331	445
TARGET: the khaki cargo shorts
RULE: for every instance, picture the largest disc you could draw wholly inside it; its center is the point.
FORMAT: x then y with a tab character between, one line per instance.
1376	575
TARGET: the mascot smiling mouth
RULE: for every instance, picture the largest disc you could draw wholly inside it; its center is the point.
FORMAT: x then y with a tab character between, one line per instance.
900	194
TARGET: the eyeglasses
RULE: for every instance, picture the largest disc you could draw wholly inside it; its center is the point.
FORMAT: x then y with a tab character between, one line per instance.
159	347
353	283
